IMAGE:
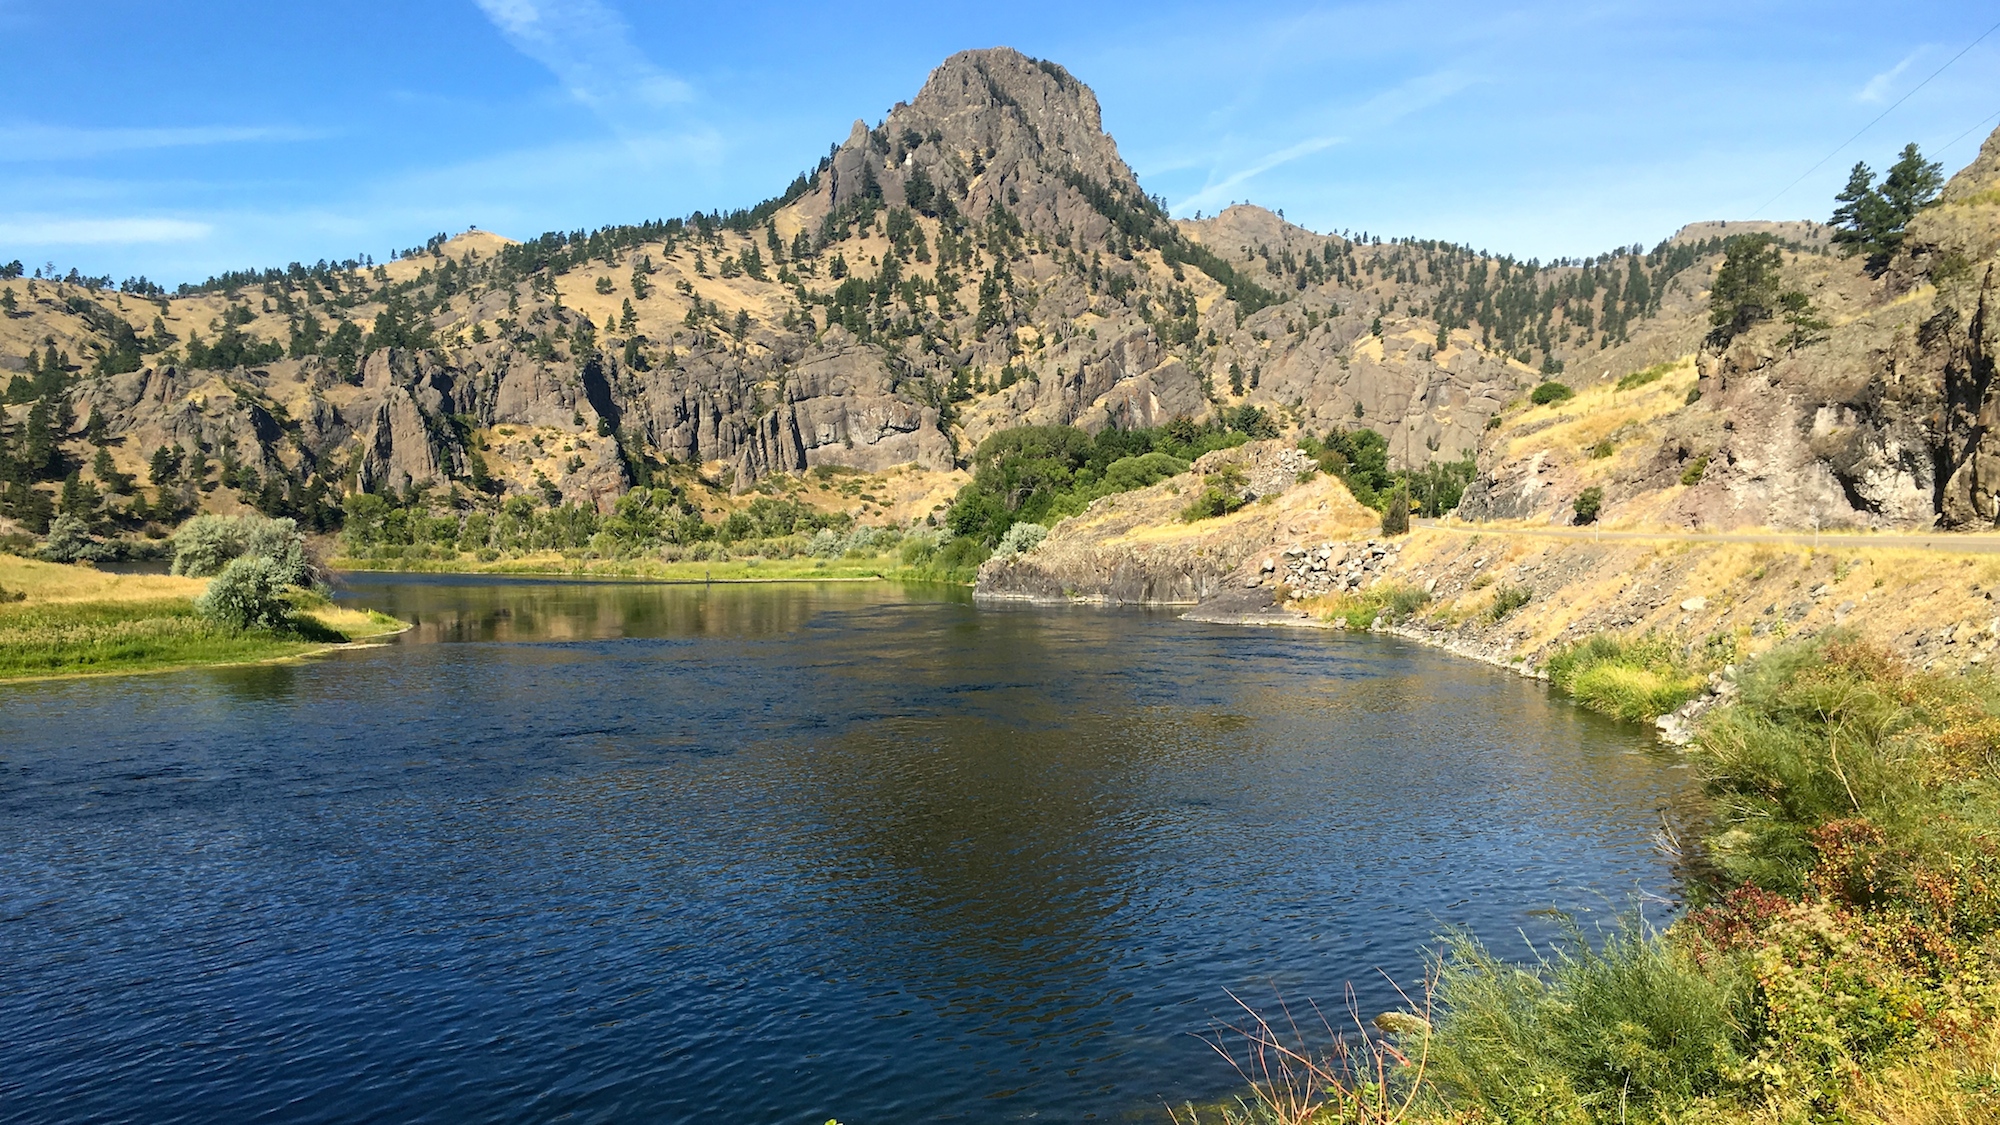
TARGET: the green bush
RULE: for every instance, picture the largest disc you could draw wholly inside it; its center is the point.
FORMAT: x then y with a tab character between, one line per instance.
1223	495
70	541
1692	475
1651	374
1020	539
1637	680
1039	474
1507	599
1588	504
206	544
248	594
1549	392
1213	501
1393	602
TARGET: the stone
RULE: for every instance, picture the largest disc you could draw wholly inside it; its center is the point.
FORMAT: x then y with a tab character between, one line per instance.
1695	604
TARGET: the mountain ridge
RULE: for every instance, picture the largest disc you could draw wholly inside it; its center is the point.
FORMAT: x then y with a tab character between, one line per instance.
982	258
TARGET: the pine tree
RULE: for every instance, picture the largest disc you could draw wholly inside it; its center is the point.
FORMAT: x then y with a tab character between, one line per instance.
1873	222
1746	287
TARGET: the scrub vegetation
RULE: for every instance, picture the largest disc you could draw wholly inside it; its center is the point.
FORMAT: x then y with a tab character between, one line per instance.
261	604
1837	964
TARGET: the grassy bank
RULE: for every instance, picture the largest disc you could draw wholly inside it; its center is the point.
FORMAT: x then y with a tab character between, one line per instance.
71	620
1841	962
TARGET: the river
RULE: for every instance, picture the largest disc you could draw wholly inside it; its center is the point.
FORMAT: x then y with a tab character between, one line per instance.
602	852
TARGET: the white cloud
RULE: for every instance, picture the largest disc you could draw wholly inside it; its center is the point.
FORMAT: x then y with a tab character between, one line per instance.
1879	86
24	143
589	49
100	231
1213	193
1398	101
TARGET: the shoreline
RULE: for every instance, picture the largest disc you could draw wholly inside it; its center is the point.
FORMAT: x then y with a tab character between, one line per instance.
317	650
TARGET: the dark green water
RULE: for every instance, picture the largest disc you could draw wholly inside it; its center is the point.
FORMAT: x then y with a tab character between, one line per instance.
594	852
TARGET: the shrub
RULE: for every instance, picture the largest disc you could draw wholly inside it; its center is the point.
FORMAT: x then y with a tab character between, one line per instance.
1128	473
1620	1032
1651	374
1213	501
1020	539
206	544
248	594
1635	680
1394	603
1396	510
1223	495
1588	504
1693	473
919	545
1602	450
1507	599
1549	392
70	541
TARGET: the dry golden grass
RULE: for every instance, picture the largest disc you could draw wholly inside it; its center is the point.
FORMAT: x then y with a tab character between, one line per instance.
1946	1086
1571	427
55	582
1889	595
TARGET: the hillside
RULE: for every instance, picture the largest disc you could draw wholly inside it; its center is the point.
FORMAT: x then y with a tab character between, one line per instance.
981	258
1879	416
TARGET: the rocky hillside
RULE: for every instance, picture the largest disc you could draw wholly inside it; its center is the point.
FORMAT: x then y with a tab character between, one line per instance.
979	259
1880	415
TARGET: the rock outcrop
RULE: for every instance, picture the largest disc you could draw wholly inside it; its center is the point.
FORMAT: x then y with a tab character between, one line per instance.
1135	549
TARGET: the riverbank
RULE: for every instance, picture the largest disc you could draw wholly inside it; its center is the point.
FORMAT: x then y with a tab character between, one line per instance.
1838	962
59	621
557	565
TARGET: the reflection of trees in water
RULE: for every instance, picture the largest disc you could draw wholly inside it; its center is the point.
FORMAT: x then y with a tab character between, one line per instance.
552	611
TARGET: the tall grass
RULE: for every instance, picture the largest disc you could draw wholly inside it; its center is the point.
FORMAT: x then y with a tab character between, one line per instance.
1393	602
1299	1074
1841	962
1632	679
43	638
1625	1030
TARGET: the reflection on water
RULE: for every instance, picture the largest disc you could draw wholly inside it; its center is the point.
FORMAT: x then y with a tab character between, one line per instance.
774	853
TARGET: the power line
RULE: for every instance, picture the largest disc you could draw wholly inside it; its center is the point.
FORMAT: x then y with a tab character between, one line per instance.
1877	121
1967	133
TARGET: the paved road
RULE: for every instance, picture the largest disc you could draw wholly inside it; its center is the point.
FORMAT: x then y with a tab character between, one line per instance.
1956	543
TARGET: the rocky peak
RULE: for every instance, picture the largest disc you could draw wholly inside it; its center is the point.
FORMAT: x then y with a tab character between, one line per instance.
988	126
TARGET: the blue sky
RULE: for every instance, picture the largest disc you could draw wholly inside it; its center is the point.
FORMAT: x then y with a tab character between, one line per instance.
179	140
